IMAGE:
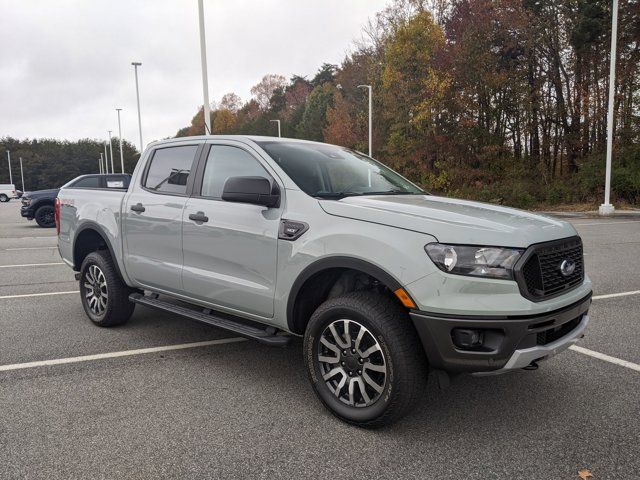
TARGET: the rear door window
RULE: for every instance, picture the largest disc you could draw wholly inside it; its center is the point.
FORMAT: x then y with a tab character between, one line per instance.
87	182
170	169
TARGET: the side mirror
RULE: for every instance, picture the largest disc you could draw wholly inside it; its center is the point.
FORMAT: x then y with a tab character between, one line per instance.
255	190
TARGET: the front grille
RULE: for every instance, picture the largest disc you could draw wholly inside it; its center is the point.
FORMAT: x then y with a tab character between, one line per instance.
540	276
553	334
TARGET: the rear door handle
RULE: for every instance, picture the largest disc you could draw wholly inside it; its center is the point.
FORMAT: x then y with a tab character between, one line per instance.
138	208
198	217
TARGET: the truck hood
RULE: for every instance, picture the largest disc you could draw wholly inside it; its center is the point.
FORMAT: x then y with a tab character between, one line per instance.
42	193
452	221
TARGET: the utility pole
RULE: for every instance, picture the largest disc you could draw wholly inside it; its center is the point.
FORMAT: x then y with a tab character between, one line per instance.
111	152
205	81
135	68
606	208
120	137
370	117
278	122
9	162
22	174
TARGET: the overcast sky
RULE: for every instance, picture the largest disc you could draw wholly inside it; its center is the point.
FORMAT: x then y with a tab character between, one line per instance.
66	65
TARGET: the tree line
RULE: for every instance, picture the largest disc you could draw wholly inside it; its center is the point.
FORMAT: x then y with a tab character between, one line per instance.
498	100
50	163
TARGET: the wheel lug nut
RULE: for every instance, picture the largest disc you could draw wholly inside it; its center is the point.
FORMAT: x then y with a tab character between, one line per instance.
350	374
344	352
359	372
353	350
360	360
342	363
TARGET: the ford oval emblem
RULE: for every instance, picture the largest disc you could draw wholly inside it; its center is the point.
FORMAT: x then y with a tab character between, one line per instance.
567	267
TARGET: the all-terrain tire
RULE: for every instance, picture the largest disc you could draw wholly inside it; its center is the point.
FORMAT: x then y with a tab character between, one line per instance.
104	296
45	216
406	365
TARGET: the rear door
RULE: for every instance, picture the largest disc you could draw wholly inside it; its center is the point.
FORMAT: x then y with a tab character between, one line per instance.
152	217
230	259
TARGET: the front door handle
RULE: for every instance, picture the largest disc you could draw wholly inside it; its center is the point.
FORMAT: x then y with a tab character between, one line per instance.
138	208
198	217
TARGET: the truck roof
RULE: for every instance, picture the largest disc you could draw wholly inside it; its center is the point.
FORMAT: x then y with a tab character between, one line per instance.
241	138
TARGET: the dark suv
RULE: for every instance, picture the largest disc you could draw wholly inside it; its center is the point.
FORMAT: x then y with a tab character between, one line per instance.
39	205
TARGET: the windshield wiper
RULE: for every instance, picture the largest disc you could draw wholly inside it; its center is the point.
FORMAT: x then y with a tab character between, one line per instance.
393	192
336	195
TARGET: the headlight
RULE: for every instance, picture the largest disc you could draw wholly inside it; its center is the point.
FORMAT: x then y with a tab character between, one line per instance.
489	262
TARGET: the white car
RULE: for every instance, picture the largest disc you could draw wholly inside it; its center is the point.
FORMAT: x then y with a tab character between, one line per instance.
7	192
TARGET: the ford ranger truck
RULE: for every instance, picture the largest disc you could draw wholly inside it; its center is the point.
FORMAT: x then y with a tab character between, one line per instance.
272	238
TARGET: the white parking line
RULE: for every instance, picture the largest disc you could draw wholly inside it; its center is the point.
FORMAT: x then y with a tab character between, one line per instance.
123	353
606	358
32	265
25	295
605	223
614	295
30	248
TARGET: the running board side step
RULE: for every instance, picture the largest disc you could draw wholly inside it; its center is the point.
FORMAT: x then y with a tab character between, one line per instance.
267	336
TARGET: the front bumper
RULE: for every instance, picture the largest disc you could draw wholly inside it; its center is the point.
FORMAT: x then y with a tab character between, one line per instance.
27	212
511	342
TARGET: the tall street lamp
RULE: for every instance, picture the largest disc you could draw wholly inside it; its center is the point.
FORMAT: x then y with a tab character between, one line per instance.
135	69
106	157
22	174
606	208
120	137
101	163
111	152
278	122
9	162
370	118
205	81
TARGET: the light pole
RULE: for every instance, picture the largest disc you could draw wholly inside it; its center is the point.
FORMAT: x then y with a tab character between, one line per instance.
21	174
205	81
606	208
106	157
111	152
135	68
101	166
9	162
120	137
278	122
370	118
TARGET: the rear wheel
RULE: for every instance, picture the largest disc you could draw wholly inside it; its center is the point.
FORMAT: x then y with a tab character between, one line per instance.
105	297
4	198
45	216
364	359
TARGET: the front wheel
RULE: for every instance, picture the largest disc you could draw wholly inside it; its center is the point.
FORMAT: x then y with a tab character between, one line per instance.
364	359
4	198
45	216
105	297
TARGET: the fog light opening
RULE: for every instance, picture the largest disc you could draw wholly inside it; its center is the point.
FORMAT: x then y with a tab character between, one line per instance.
468	338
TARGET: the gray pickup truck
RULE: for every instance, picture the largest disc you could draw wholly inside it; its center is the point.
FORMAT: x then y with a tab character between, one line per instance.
270	238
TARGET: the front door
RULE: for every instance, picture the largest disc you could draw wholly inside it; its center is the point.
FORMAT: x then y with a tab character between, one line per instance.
152	218
230	249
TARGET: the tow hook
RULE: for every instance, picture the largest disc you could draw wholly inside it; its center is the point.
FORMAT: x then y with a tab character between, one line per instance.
532	366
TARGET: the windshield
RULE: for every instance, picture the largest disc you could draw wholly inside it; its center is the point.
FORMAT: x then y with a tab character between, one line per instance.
329	171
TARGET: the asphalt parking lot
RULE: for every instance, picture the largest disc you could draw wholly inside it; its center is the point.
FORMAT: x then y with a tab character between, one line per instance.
236	409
